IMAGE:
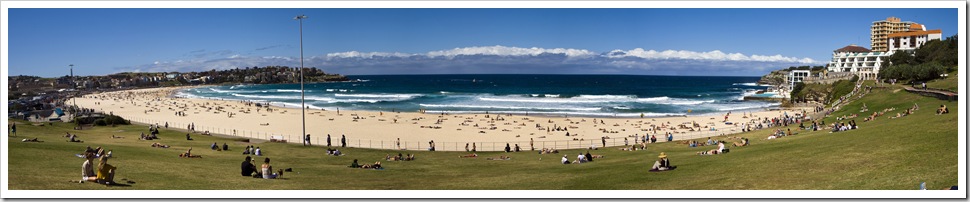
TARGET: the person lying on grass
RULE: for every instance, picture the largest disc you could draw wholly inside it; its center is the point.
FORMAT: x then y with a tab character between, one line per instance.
159	145
188	154
375	166
709	152
31	140
502	157
472	155
744	142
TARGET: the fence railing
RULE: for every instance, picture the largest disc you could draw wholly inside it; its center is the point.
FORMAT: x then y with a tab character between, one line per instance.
321	140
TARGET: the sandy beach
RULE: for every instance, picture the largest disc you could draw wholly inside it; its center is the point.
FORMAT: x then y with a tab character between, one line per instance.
372	129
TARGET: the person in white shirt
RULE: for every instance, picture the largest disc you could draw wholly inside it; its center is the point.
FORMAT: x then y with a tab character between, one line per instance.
565	160
581	158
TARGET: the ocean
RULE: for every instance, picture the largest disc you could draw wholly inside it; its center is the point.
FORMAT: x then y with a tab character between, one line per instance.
543	95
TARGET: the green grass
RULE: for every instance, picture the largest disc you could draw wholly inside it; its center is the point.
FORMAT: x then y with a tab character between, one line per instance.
950	83
884	154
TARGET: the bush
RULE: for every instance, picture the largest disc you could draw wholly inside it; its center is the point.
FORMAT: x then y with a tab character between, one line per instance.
115	120
100	122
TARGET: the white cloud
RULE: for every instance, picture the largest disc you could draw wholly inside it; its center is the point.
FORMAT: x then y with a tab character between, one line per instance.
711	55
355	54
510	60
509	51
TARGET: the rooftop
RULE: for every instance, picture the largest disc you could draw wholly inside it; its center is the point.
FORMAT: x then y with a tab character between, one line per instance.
853	49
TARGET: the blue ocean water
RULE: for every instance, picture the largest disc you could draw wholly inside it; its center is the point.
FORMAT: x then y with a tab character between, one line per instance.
552	95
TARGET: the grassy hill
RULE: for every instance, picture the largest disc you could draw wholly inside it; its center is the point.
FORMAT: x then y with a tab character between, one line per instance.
882	154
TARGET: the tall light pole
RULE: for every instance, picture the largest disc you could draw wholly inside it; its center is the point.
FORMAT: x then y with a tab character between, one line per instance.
73	84
302	93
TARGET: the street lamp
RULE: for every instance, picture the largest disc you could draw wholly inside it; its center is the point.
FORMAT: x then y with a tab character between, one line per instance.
73	83
302	93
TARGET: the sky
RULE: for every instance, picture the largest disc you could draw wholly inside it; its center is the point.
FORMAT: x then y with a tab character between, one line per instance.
647	41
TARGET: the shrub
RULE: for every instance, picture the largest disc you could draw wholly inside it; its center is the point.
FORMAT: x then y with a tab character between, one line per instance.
100	122
116	120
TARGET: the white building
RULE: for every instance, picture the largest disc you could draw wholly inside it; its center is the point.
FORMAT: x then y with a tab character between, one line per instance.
902	36
858	60
797	76
912	39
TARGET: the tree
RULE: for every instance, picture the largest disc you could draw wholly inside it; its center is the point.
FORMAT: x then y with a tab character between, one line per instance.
796	90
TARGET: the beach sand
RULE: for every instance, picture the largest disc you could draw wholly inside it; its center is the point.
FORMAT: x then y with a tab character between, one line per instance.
372	129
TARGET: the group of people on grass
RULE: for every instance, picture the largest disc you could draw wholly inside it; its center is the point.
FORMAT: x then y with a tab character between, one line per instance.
250	150
215	146
399	157
266	171
581	158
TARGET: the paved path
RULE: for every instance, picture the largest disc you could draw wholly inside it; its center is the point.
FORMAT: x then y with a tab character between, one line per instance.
941	94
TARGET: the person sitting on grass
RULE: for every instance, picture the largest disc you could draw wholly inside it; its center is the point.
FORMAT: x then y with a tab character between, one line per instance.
472	155
409	157
87	169
588	157
106	172
74	138
662	164
565	160
354	164
248	169
258	152
188	137
580	159
225	147
268	171
215	146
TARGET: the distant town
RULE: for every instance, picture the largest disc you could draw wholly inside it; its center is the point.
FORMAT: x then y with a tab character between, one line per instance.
38	93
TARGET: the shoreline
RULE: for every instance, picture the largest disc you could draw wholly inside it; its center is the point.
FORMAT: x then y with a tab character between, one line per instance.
379	129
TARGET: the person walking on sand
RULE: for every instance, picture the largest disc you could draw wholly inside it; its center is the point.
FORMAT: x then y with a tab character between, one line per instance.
604	141
328	140
343	141
398	143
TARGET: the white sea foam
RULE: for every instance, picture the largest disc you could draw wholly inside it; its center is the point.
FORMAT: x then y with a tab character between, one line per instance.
605	97
552	95
586	114
289	90
406	96
509	107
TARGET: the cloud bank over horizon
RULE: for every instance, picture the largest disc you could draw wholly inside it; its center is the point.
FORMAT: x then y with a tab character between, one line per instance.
499	60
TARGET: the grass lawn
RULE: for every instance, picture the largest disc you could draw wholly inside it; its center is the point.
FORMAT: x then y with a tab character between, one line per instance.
950	83
882	154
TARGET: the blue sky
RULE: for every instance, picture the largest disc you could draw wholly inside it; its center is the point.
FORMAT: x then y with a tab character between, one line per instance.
102	41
